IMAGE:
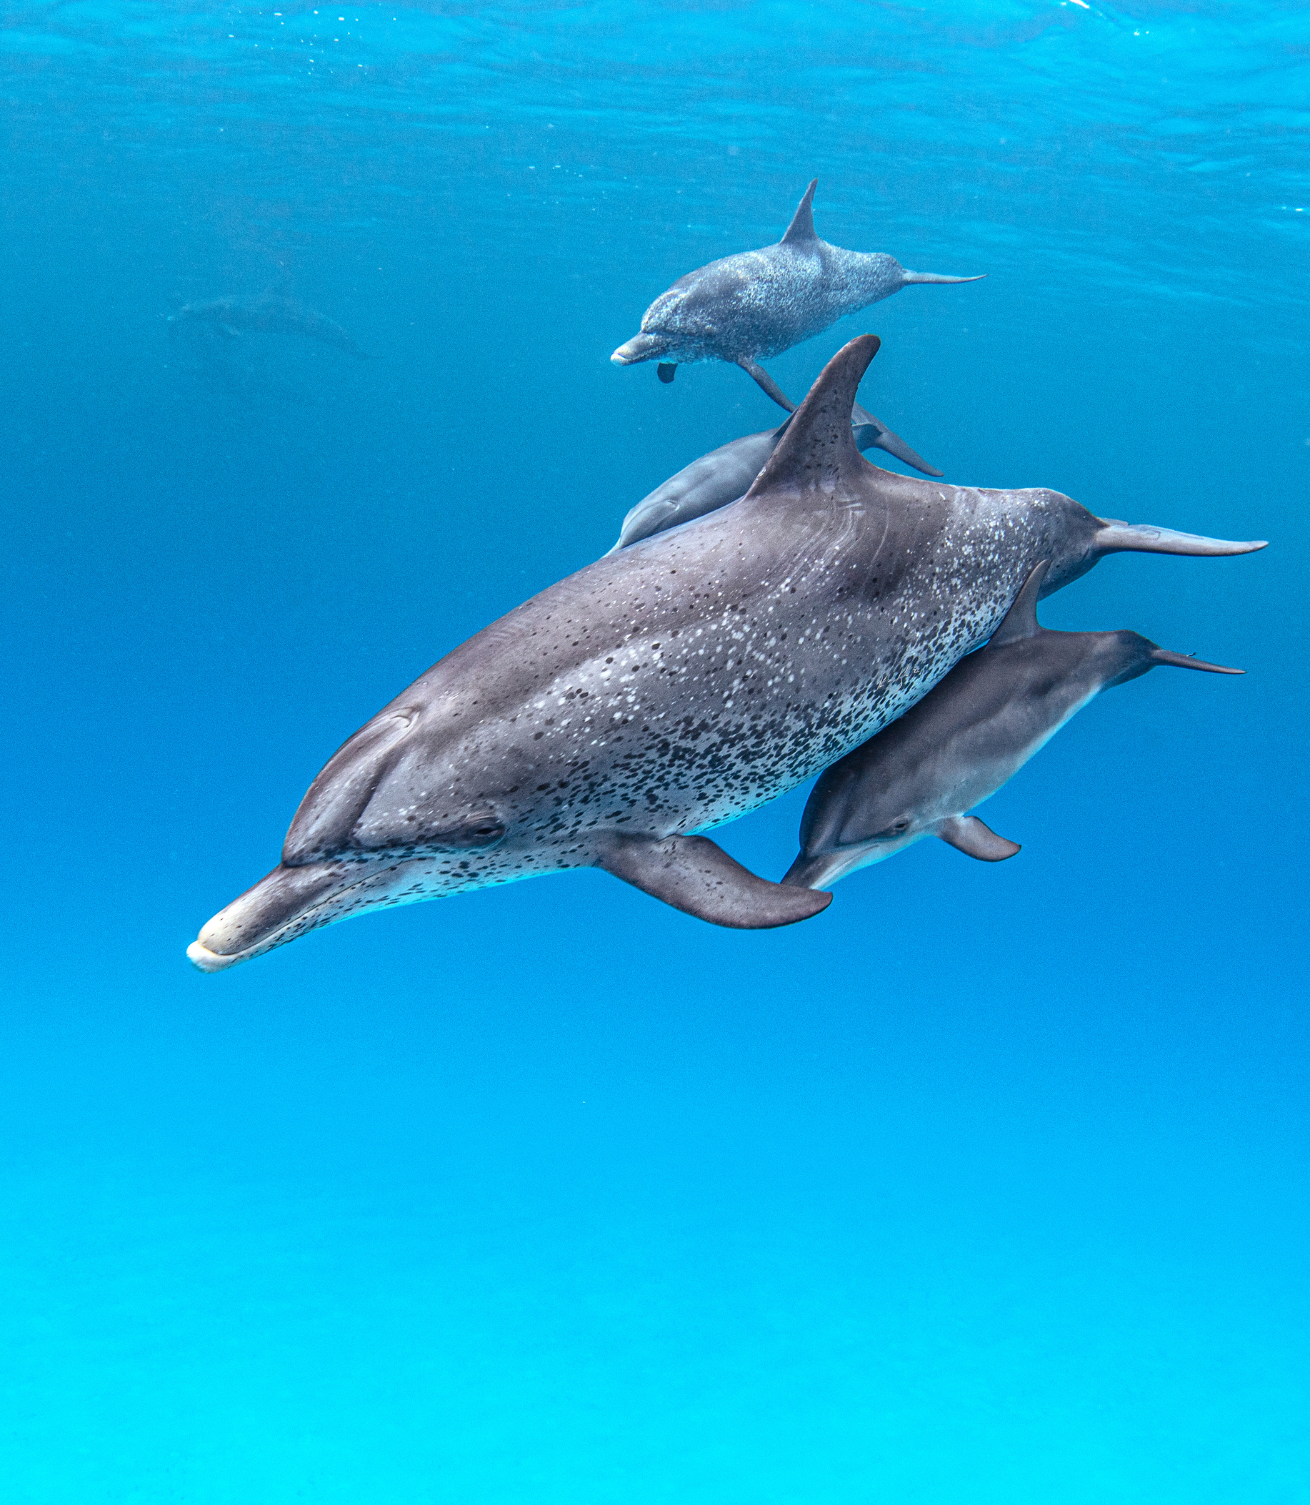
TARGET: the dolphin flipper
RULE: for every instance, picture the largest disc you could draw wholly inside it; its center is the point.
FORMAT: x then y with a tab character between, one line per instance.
967	834
873	433
767	383
666	371
694	875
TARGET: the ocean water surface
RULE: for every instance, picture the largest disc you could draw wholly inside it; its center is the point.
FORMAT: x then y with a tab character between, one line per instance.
986	1187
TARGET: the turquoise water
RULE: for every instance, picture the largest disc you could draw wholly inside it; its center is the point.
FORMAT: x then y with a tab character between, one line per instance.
988	1185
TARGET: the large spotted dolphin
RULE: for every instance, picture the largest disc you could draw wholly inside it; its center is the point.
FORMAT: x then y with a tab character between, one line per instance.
265	313
965	739
747	307
720	477
673	686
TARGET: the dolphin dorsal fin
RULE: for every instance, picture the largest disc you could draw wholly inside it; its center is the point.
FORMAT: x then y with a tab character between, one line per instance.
801	230
817	450
1021	619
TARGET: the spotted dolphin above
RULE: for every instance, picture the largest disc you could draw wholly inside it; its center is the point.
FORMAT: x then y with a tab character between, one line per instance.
726	473
965	739
756	304
266	313
666	689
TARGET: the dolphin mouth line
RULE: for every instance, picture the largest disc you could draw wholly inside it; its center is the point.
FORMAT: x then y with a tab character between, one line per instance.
205	960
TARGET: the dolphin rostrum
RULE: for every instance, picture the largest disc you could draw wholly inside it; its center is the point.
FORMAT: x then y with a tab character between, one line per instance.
673	686
959	744
756	304
726	473
266	313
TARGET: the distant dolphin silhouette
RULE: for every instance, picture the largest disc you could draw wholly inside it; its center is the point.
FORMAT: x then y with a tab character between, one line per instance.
266	313
673	686
759	303
961	742
726	473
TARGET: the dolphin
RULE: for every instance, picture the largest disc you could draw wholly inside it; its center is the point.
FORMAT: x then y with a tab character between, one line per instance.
759	303
266	313
966	738
726	473
671	687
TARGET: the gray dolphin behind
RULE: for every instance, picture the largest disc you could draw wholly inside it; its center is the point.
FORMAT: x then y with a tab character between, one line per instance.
726	473
673	686
265	313
747	307
959	744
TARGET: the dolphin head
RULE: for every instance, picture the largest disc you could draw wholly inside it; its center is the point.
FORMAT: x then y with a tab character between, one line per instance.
863	809
390	820
823	867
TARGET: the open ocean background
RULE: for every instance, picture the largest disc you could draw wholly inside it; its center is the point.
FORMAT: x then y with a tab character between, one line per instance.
987	1187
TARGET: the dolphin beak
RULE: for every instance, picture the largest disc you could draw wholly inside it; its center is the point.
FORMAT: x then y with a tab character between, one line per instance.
823	869
278	906
290	901
641	347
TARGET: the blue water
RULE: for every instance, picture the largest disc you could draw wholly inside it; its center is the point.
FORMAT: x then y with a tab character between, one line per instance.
988	1186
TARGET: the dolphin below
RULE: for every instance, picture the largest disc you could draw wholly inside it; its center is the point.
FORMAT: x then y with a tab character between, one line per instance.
963	741
673	686
266	313
726	473
756	304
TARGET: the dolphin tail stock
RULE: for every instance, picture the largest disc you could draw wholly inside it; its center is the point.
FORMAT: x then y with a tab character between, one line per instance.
1115	536
876	435
967	834
1186	661
693	874
909	279
766	383
817	448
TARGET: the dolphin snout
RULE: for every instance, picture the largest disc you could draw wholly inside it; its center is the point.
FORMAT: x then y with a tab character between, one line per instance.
641	347
281	905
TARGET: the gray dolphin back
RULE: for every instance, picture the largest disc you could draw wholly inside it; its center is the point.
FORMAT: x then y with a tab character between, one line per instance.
964	740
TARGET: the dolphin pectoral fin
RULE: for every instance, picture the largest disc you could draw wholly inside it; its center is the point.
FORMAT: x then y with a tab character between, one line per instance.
967	834
694	875
666	371
767	383
1142	538
873	433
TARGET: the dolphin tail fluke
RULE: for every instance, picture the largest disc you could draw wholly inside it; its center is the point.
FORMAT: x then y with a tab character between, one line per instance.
1185	661
909	278
1142	538
967	834
766	383
817	448
694	875
873	433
